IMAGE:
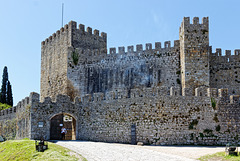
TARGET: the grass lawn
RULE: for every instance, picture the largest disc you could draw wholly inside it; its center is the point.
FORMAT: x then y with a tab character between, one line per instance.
25	150
219	157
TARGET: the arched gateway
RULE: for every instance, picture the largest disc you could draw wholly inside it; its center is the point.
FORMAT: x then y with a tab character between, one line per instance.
60	120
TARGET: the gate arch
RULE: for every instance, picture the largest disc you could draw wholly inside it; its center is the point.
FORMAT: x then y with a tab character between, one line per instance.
57	121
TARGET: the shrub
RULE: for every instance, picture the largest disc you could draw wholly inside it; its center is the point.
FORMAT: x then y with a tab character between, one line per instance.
75	57
213	103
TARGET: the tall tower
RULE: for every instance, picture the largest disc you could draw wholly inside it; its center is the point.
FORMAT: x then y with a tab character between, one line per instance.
57	55
194	54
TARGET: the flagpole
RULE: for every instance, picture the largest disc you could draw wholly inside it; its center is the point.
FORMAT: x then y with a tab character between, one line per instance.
62	13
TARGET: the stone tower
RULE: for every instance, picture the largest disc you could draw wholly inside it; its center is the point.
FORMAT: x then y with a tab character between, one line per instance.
194	54
57	54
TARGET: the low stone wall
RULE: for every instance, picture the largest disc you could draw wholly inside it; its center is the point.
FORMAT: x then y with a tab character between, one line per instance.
15	122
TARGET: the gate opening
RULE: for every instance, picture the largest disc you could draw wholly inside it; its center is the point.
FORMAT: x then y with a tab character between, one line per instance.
57	122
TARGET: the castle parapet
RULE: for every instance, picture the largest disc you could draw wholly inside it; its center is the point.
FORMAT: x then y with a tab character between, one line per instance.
212	92
223	92
48	99
86	98
147	92
187	92
174	91
217	57
237	52
121	50
148	48
135	93
112	50
195	20
139	47
74	39
201	91
162	90
167	44
98	97
158	45
20	107
110	95
122	94
130	49
234	99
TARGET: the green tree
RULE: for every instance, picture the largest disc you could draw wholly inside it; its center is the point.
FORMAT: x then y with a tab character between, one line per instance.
9	94
4	86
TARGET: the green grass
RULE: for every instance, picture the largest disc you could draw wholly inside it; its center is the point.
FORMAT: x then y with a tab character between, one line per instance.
24	150
220	156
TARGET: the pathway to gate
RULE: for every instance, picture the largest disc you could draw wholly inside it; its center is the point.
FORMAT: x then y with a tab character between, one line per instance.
98	151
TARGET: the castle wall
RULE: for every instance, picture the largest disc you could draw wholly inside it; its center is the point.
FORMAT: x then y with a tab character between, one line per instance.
15	122
225	70
86	39
125	70
161	116
161	119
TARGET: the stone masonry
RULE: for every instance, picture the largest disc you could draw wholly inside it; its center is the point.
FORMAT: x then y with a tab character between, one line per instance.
175	94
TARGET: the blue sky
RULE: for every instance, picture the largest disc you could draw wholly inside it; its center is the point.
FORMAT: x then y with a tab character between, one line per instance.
25	23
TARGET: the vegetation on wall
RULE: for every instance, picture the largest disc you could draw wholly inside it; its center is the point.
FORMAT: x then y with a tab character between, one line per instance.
75	57
213	102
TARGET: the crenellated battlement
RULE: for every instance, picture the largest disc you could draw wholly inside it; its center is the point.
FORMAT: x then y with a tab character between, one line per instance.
202	92
66	33
146	92
195	21
148	48
20	107
218	57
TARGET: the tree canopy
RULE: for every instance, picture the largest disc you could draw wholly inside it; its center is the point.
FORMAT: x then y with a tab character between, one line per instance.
6	89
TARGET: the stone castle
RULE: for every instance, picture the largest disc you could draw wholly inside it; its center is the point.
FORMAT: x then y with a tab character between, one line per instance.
180	94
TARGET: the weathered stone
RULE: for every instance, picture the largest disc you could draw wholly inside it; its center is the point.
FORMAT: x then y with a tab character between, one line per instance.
172	95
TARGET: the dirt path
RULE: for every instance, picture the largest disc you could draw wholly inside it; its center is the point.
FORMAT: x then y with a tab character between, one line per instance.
98	151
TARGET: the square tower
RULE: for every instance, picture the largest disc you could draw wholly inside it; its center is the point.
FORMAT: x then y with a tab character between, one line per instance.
57	54
194	54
